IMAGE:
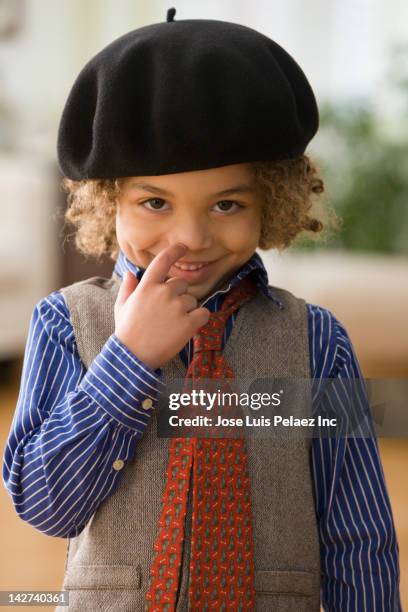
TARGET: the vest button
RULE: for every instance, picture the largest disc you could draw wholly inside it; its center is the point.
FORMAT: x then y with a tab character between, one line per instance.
147	403
118	464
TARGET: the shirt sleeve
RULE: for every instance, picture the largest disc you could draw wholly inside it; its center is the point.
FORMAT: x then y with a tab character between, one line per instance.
359	548
72	425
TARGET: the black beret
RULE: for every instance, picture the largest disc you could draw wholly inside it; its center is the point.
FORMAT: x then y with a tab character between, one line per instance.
185	95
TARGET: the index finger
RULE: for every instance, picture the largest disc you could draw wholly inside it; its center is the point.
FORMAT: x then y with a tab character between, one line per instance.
158	269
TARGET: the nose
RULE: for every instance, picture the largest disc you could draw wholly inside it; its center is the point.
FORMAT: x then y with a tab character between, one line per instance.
193	231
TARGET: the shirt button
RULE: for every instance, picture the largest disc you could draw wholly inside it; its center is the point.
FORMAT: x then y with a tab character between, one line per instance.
118	464
147	403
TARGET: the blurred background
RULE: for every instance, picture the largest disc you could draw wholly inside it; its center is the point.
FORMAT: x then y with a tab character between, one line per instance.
355	54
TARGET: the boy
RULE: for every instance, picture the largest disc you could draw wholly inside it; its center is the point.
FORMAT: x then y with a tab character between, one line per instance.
192	524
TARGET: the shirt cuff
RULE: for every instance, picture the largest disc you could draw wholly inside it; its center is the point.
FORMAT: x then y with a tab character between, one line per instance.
123	385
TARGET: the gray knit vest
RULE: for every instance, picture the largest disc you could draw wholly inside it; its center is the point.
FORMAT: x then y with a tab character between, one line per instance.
107	565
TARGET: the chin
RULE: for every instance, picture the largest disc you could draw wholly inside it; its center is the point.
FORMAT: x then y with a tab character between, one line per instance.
206	291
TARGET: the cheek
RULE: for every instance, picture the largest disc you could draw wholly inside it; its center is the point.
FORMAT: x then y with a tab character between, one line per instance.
129	231
255	227
243	234
124	231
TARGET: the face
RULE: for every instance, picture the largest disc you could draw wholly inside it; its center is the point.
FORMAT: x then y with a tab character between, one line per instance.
216	213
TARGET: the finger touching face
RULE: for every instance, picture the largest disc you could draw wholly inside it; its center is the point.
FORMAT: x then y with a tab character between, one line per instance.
158	269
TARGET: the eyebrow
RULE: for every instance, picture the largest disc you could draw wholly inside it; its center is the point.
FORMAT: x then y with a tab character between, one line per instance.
230	190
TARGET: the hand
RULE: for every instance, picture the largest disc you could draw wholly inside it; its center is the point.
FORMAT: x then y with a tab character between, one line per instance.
156	318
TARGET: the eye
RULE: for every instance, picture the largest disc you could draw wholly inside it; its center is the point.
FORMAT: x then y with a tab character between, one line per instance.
156	204
153	200
228	202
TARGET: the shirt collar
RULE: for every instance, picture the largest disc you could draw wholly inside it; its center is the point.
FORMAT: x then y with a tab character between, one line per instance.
254	265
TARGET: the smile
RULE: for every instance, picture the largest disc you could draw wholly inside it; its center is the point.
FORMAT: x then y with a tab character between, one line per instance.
185	266
193	272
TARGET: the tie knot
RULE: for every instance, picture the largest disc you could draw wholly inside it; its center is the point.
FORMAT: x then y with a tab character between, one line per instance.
209	336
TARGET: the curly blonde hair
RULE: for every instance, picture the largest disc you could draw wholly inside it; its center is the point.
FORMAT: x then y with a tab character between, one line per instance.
290	189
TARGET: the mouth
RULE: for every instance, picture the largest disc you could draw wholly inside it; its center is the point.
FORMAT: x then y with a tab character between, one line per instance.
191	265
193	272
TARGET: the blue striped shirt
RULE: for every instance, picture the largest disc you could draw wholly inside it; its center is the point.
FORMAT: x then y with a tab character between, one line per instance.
71	424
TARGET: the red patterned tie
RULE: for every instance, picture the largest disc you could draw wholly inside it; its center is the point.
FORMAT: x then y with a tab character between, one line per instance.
221	562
